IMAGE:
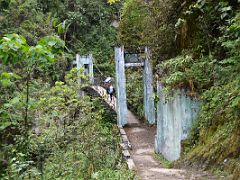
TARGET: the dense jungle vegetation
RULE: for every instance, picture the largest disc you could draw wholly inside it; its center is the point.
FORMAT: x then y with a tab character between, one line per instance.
47	130
195	45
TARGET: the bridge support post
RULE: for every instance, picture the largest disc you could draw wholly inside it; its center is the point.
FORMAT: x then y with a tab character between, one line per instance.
159	141
149	109
79	66
91	75
86	62
121	86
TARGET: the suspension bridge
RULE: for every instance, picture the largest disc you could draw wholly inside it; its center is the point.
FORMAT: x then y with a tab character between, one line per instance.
161	134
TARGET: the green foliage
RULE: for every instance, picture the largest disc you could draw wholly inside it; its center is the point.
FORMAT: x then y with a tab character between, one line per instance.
113	1
186	72
195	45
163	161
132	26
69	126
85	26
17	104
109	174
149	24
134	87
25	18
8	79
43	118
14	49
209	67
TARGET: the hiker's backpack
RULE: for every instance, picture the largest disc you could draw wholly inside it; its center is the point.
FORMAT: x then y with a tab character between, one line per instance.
110	90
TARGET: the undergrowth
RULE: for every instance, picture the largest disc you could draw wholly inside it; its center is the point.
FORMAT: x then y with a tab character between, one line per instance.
163	161
72	138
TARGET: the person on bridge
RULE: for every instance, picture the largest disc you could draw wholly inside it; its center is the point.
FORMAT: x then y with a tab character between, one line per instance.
110	88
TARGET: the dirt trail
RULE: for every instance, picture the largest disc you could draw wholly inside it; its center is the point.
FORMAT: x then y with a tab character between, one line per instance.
141	138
